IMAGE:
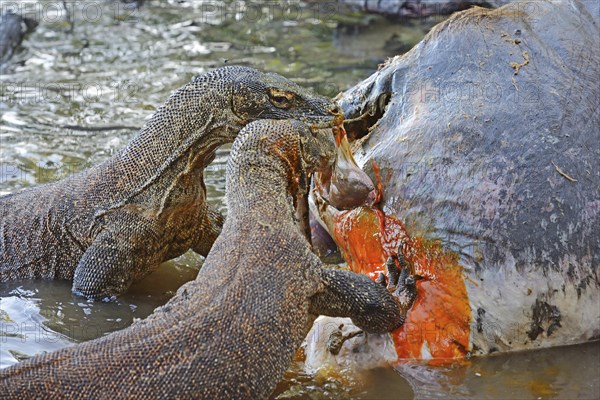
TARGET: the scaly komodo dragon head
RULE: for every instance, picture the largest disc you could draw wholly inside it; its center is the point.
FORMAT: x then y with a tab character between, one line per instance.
236	96
268	153
258	95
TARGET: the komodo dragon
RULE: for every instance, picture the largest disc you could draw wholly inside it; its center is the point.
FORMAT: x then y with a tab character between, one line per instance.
116	222
232	332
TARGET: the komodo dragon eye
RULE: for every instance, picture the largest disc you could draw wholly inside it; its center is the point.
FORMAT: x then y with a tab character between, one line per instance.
281	99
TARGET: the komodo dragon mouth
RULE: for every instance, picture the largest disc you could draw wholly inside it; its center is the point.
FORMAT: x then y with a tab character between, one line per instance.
345	186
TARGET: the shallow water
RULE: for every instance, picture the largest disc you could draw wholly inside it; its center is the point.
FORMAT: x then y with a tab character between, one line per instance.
62	94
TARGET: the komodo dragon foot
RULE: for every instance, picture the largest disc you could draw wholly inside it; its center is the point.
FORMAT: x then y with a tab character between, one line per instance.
400	282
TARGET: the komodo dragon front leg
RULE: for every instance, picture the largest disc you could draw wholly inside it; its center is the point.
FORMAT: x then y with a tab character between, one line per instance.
119	254
373	308
349	294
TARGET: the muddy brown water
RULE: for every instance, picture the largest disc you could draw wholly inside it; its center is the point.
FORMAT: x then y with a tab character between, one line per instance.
71	99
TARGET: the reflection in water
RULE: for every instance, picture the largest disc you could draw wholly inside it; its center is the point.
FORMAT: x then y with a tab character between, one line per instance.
560	373
70	100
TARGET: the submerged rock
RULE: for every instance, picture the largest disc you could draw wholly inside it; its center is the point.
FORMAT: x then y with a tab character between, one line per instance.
13	29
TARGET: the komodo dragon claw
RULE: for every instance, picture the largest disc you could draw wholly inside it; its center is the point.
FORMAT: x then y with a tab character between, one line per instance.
401	281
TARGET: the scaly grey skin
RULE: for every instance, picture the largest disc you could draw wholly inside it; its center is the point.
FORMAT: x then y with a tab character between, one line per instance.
232	332
116	222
